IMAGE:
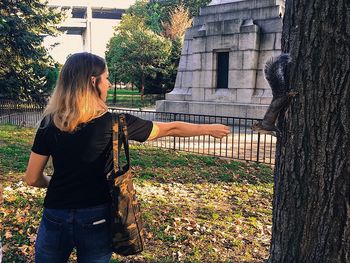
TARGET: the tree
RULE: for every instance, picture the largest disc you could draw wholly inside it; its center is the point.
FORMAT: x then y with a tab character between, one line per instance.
311	205
119	67
174	30
167	5
166	18
155	12
150	13
24	63
179	21
165	80
195	5
136	52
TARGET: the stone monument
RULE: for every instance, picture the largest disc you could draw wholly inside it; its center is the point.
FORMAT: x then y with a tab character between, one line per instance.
221	66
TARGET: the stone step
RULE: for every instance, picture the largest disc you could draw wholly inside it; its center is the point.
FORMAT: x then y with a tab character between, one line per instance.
255	14
230	6
212	108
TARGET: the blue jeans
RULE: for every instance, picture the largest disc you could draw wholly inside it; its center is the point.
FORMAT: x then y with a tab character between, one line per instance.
87	229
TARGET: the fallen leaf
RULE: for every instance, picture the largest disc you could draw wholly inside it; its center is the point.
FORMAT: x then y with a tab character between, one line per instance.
8	234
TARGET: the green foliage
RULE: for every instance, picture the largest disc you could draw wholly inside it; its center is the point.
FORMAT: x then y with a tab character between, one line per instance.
165	80
152	13
195	5
156	11
25	67
139	52
136	52
51	73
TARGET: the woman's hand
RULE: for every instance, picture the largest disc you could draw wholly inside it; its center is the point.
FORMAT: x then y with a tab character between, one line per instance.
218	130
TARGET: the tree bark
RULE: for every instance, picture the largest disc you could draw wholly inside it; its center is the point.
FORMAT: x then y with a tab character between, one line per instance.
142	85
311	210
115	89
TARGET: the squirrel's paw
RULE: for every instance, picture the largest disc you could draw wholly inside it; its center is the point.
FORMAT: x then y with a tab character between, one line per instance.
265	129
292	93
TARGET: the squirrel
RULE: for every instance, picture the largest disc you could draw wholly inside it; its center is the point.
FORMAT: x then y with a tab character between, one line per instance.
276	74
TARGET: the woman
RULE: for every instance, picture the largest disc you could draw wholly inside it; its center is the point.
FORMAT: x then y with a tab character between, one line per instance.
76	131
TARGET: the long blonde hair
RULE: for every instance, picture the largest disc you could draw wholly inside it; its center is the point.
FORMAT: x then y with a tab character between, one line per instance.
76	98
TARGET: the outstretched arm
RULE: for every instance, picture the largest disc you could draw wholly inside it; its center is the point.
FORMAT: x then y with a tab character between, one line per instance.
184	129
34	175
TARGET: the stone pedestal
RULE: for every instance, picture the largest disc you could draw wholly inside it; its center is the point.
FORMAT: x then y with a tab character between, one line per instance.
250	31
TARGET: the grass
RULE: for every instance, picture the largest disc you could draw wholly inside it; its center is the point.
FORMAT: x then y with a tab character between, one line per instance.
15	147
123	91
131	99
195	208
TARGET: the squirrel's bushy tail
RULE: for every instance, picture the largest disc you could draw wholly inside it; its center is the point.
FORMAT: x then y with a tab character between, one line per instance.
276	74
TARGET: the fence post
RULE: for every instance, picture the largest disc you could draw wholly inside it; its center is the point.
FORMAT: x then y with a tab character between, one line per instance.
258	148
174	148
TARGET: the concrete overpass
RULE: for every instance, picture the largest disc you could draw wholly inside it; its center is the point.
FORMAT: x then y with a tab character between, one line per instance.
88	26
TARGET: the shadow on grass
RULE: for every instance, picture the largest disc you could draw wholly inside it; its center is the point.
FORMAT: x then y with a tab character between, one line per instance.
163	165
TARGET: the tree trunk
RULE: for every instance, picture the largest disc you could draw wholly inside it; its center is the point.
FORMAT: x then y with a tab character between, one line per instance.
142	86
115	89
311	210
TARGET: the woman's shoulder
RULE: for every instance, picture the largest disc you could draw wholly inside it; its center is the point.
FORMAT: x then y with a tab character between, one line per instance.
104	116
46	126
46	123
116	115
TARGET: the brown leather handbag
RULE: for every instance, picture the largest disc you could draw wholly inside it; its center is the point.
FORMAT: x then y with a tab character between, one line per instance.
127	230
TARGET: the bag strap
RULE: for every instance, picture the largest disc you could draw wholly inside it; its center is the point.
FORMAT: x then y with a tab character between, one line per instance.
125	137
120	138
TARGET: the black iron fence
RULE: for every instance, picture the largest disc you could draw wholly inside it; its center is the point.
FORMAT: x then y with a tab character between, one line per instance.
242	143
24	114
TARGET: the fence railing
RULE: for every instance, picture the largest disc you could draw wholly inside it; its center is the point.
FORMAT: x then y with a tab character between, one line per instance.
24	114
242	143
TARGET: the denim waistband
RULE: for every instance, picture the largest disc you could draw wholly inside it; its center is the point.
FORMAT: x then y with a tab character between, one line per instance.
78	214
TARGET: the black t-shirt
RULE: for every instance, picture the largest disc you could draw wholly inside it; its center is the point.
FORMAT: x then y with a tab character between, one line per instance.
82	159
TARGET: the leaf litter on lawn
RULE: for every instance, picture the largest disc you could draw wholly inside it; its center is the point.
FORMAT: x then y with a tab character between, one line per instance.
195	208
